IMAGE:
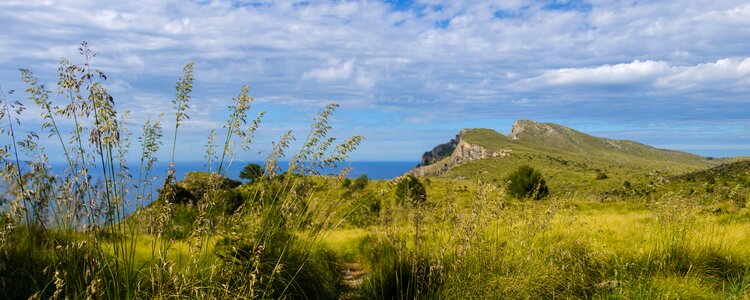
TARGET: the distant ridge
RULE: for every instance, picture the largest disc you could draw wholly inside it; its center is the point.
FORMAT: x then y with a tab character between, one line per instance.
561	150
563	138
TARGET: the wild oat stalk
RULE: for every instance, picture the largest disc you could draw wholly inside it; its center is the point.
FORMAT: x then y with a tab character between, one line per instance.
150	142
316	138
210	155
12	112
184	87
277	152
181	101
70	85
238	118
68	208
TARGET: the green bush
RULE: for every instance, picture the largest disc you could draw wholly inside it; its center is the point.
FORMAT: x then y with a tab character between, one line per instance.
178	195
526	182
360	183
411	189
252	172
601	175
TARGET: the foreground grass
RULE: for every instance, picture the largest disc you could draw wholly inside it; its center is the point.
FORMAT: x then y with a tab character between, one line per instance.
563	248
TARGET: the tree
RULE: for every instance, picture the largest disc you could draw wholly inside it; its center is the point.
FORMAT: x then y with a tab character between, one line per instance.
361	182
526	182
251	172
346	182
411	189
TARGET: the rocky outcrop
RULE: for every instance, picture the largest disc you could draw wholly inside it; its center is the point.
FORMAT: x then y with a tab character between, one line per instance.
439	152
468	152
527	129
462	152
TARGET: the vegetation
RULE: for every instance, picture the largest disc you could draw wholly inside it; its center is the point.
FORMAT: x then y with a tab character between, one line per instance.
572	159
69	235
410	189
361	182
251	172
649	231
526	182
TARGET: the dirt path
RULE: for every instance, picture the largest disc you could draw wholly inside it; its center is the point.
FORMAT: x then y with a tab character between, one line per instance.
352	274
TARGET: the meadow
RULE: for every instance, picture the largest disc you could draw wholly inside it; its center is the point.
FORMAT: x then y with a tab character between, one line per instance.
297	233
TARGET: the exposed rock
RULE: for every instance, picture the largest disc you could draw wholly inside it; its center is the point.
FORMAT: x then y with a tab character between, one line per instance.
435	164
439	152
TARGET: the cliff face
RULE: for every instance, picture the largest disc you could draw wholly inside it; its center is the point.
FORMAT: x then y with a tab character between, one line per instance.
439	152
462	151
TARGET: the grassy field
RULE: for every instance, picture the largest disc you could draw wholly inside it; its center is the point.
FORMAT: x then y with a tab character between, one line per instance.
654	227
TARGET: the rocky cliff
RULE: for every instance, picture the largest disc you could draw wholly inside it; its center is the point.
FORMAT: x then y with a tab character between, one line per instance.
439	152
457	151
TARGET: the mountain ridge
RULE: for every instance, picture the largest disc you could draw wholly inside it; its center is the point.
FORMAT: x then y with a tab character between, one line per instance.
561	151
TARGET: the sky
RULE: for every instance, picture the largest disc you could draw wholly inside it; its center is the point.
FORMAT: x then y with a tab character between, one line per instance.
407	74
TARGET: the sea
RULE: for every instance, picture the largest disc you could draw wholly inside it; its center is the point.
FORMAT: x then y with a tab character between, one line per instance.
380	170
372	169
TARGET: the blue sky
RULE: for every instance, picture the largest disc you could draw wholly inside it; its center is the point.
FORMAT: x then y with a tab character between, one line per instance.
409	74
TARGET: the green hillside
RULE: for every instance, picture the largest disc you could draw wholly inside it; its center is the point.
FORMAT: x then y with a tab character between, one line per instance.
571	160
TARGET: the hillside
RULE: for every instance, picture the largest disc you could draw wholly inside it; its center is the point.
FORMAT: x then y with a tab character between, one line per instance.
570	159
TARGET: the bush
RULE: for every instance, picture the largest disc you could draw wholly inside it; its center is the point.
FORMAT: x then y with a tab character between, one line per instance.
526	182
346	182
601	175
180	195
251	172
409	188
361	182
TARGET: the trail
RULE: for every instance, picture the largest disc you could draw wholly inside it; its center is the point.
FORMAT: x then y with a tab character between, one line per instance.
352	275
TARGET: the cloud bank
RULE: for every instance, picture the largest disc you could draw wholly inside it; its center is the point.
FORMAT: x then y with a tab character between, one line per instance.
409	72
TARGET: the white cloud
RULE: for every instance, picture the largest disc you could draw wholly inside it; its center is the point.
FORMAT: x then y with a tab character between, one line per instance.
627	73
722	76
339	71
715	75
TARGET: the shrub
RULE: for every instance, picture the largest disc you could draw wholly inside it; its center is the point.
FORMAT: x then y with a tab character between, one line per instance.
411	189
251	172
360	183
601	175
346	182
526	182
180	195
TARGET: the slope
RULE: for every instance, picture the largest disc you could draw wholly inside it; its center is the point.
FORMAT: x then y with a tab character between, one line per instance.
572	161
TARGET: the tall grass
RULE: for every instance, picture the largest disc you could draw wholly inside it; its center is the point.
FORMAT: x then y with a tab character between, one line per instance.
479	243
67	236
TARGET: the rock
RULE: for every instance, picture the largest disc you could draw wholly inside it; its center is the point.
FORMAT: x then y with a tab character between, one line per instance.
439	152
445	156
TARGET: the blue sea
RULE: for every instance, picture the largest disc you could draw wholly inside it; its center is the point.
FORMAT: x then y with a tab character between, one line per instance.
373	170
